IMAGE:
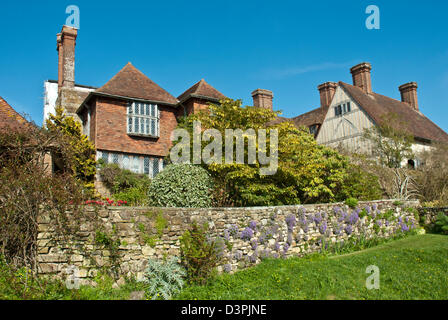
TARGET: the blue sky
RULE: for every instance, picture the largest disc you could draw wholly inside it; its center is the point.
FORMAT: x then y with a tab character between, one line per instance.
289	47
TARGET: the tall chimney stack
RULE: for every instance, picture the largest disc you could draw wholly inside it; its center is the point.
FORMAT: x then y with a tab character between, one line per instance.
263	98
66	42
361	76
327	91
409	94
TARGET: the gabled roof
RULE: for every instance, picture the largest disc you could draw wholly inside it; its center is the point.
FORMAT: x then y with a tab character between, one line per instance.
10	119
377	105
201	90
131	83
310	118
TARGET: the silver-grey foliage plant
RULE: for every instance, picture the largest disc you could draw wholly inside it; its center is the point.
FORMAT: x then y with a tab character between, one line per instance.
181	186
164	279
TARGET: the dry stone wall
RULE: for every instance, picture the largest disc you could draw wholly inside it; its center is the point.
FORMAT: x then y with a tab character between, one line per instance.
125	237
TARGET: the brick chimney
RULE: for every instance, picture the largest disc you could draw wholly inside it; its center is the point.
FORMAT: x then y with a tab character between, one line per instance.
409	94
361	76
327	91
66	42
263	98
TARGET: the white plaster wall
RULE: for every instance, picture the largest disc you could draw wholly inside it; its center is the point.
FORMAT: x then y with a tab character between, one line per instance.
345	130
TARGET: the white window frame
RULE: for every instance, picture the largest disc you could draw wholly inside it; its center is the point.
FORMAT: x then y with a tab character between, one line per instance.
134	163
145	113
344	108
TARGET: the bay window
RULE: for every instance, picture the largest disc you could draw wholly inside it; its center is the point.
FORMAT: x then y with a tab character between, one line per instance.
143	119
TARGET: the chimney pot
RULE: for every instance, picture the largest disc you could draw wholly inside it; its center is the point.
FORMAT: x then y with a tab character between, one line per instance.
327	91
263	98
409	94
361	76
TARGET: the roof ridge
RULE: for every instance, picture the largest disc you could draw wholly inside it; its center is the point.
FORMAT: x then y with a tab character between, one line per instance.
376	105
133	83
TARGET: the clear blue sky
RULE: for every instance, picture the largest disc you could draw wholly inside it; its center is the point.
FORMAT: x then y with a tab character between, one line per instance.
288	47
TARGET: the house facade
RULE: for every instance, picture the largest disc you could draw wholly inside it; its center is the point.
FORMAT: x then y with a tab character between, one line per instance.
347	110
130	118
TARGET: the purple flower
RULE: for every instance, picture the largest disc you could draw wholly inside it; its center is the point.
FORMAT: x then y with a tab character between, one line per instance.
227	235
254	244
290	222
317	218
323	227
348	229
285	247
404	227
379	223
253	225
352	218
247	234
233	230
337	229
342	216
276	246
368	209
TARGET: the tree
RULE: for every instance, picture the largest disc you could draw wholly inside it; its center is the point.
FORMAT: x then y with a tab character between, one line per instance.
432	177
306	173
79	156
391	141
27	191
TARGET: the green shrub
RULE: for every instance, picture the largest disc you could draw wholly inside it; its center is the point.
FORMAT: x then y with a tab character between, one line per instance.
164	279
441	225
125	184
181	186
351	202
199	254
360	184
133	196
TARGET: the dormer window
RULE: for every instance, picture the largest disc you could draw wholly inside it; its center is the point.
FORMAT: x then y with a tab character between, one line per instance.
143	119
342	109
313	129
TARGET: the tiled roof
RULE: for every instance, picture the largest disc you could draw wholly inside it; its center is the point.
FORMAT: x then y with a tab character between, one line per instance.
377	106
310	118
132	83
10	119
202	89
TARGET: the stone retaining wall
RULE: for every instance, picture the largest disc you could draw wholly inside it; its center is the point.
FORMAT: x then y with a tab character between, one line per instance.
247	235
429	215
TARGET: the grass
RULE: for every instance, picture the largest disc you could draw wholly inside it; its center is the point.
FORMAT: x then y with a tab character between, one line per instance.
410	268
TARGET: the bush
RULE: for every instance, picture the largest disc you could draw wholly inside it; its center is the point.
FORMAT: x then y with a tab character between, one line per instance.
432	177
360	184
181	186
199	255
351	202
441	225
125	184
306	172
27	191
164	279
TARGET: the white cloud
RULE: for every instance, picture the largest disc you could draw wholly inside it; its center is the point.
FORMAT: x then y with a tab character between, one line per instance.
294	71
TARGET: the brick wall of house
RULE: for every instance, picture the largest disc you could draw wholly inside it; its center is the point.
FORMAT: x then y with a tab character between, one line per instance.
111	129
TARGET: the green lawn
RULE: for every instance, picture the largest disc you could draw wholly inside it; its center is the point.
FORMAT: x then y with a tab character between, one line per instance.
411	268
